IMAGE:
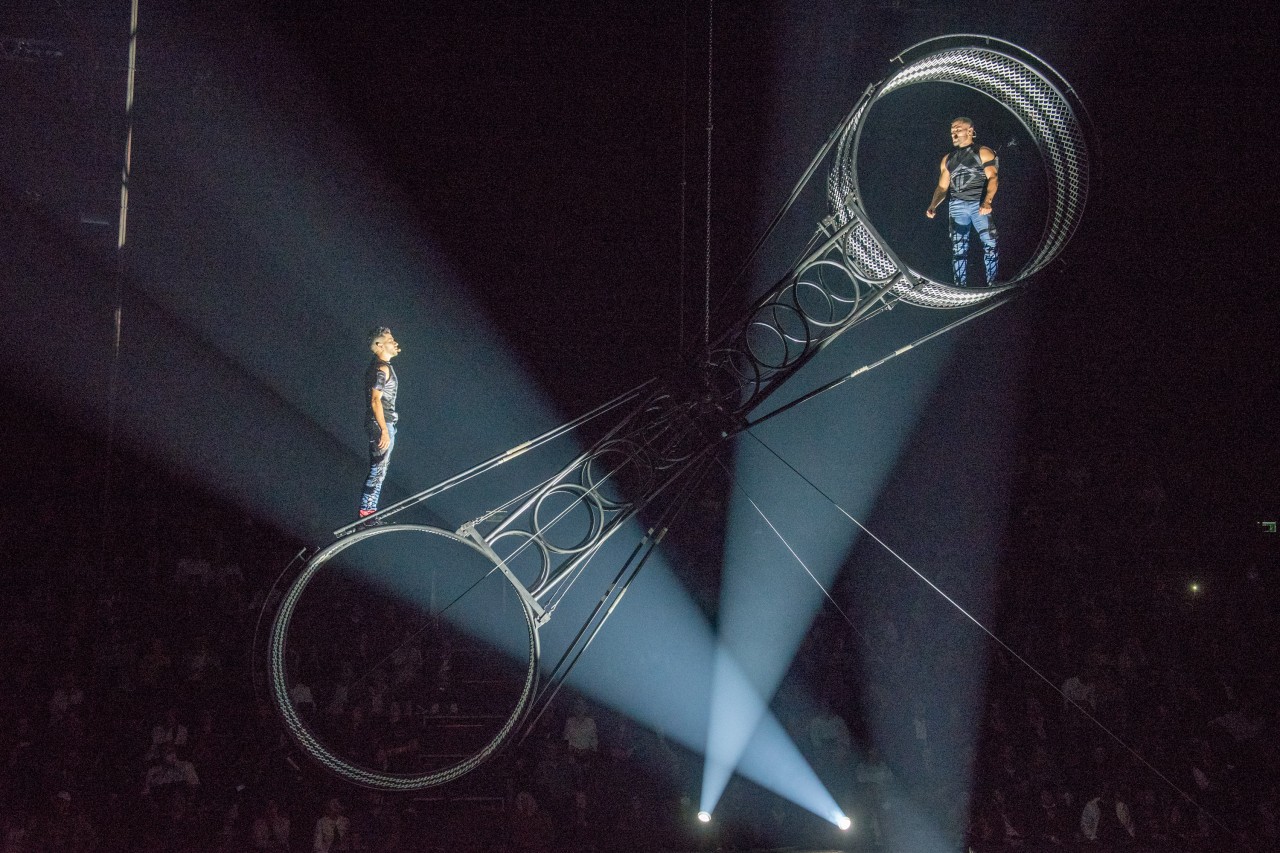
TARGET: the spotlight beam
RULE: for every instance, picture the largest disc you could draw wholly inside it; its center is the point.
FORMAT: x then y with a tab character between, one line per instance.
612	597
745	736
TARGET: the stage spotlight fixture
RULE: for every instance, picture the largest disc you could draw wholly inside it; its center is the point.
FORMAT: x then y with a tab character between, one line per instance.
844	823
705	817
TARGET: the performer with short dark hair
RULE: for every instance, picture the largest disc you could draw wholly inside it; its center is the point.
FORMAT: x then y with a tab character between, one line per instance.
380	387
971	175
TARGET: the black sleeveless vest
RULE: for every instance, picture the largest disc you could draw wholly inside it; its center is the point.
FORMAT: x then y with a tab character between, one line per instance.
390	385
968	174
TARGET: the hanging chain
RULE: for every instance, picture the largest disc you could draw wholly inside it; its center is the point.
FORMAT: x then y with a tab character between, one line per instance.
706	301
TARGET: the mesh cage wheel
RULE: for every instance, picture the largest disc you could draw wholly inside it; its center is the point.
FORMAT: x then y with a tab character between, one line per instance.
1027	87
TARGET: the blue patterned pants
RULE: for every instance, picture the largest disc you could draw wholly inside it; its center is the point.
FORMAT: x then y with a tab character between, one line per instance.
964	215
378	462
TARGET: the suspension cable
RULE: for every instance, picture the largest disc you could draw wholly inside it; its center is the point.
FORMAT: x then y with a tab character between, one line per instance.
1066	699
791	200
737	484
117	313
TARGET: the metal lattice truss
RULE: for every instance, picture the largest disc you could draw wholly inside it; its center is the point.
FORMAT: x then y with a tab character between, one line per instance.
664	432
649	450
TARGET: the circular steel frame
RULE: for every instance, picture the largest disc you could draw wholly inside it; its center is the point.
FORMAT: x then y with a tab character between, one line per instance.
541	553
277	655
840	307
1024	85
579	496
597	471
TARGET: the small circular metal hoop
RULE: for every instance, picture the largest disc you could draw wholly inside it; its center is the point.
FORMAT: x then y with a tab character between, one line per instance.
786	299
529	541
671	435
770	338
735	377
810	282
277	655
599	469
579	496
1027	87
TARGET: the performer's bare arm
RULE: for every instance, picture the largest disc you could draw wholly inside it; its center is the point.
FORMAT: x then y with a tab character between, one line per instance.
940	191
993	179
375	403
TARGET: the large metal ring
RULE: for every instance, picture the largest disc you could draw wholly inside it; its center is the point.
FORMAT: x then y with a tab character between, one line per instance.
1027	87
277	655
